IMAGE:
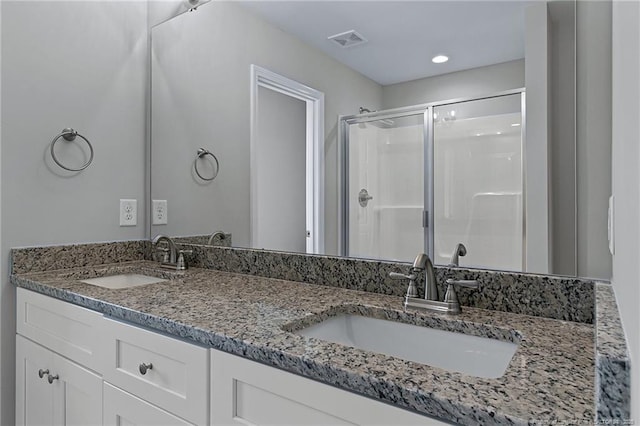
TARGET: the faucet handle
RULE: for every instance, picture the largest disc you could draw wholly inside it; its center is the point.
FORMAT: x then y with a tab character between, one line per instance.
181	264
463	283
412	291
451	296
399	276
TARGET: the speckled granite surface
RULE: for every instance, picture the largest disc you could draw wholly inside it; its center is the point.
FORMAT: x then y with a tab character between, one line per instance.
613	369
550	380
565	298
35	259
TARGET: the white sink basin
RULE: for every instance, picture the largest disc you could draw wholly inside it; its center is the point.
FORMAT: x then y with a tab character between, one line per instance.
123	281
475	356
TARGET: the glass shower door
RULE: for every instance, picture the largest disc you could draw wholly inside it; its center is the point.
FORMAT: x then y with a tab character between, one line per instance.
478	182
386	188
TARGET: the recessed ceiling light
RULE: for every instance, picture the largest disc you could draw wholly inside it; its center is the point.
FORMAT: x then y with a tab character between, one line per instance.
440	59
515	124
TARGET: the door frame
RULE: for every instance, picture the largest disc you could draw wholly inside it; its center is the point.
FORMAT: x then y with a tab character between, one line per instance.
314	180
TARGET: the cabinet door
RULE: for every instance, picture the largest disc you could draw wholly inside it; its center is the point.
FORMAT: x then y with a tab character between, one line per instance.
123	409
246	392
77	394
34	395
73	398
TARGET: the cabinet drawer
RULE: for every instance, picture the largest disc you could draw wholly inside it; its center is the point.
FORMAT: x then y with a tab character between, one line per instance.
122	408
67	329
245	392
176	373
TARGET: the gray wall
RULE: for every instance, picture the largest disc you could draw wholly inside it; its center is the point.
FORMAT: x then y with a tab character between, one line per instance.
462	84
205	56
593	108
79	64
537	142
626	176
562	134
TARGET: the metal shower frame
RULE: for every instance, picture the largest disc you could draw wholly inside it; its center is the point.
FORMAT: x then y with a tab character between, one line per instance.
344	121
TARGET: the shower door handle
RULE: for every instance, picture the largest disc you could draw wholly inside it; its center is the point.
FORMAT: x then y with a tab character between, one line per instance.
364	197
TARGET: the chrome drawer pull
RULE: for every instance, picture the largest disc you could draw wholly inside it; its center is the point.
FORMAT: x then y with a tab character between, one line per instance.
42	373
51	378
144	367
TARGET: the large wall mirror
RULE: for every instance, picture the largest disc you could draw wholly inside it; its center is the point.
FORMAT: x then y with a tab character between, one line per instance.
330	127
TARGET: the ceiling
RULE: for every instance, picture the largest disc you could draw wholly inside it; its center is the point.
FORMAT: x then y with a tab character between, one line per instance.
403	36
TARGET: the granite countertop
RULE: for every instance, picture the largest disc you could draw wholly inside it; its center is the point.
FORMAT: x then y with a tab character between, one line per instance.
550	379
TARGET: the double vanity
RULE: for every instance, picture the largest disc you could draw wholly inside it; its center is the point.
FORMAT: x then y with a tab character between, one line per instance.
136	342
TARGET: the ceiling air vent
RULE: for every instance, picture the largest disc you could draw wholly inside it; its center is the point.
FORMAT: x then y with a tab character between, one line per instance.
348	39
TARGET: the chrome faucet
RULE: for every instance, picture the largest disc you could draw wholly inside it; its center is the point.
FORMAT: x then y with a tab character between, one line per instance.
215	234
431	302
175	258
173	250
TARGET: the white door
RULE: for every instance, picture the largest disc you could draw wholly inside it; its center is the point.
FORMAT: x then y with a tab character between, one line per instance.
281	172
277	119
51	390
77	394
386	188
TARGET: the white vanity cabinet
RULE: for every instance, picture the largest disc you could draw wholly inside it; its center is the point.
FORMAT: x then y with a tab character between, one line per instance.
246	392
54	339
114	373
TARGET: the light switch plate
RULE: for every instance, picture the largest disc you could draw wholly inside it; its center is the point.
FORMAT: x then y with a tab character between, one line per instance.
128	212
159	208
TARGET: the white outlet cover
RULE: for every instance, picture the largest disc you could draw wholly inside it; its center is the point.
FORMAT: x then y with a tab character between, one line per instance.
128	212
159	212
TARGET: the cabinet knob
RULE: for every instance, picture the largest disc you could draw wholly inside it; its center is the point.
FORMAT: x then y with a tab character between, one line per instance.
51	378
144	367
42	373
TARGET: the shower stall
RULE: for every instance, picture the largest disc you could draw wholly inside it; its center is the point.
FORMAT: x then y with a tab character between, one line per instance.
426	177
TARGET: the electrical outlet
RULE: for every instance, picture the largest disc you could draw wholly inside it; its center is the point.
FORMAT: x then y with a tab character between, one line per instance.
159	212
128	212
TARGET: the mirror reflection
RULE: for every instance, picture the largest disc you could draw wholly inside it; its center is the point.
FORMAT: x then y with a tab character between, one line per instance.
339	128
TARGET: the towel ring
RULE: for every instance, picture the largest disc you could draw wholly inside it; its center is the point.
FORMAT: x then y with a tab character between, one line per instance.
201	153
70	135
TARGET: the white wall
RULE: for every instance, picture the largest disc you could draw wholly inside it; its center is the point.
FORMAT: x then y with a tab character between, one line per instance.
162	10
205	56
626	178
79	64
462	84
